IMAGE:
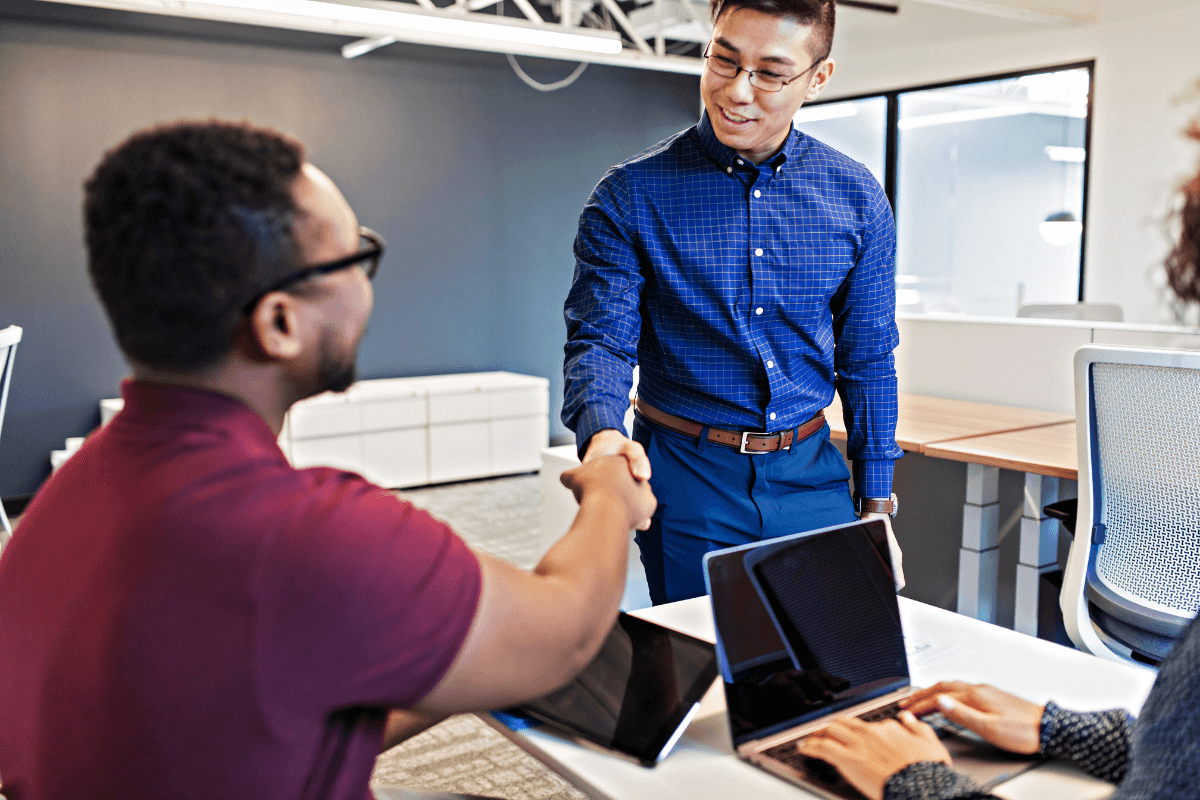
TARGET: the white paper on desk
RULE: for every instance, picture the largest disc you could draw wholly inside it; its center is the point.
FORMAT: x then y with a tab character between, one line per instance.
926	652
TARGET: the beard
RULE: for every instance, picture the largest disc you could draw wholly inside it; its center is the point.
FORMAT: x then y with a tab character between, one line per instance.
335	372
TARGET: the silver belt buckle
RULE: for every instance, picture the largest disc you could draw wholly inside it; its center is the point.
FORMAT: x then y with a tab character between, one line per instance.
746	437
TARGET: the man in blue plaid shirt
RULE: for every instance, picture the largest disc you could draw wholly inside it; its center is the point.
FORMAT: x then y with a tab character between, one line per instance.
749	270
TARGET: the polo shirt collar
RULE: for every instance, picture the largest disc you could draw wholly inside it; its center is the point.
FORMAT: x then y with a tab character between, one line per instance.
726	157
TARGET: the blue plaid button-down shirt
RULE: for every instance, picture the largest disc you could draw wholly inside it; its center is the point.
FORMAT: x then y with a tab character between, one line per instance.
745	292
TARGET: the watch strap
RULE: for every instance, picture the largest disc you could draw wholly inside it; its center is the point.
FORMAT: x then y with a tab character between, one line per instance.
875	505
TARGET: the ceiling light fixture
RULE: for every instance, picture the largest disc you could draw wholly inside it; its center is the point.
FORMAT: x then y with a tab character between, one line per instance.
1061	229
380	19
1071	155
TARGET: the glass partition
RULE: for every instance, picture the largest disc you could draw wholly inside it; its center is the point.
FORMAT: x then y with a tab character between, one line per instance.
988	179
857	128
990	187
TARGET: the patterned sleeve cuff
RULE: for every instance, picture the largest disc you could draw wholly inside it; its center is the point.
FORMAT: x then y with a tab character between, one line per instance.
593	419
931	780
1097	741
873	478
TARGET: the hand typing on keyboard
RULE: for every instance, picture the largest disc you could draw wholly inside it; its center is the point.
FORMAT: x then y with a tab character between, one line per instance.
868	753
1003	719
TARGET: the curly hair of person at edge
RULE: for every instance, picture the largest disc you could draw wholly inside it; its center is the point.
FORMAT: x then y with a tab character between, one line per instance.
1183	262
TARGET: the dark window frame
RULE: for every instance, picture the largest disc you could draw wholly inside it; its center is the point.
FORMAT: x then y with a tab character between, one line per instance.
892	132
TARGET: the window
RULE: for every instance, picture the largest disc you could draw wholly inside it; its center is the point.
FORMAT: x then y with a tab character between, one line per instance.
857	128
988	180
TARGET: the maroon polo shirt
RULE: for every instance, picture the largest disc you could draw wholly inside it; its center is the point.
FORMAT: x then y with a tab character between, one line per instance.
184	615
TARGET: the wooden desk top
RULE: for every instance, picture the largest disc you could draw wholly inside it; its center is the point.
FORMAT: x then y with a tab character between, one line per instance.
925	420
1048	450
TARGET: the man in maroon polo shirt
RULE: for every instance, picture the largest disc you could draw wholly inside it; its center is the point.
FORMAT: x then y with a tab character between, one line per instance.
182	613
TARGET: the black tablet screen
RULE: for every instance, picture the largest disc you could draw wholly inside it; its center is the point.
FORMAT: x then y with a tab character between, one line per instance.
636	693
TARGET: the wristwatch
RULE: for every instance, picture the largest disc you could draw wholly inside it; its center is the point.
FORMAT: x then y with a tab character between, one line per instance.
873	505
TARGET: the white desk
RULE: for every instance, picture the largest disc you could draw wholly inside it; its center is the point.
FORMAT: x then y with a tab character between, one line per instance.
949	646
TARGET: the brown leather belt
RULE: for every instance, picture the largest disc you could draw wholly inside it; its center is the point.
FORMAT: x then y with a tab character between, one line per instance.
744	441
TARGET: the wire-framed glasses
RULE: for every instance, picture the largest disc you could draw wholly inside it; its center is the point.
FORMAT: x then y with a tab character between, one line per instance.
766	80
369	255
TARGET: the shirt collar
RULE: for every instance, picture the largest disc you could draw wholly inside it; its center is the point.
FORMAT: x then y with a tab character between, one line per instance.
726	157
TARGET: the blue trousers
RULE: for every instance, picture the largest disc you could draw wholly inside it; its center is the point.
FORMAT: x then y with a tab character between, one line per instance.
711	497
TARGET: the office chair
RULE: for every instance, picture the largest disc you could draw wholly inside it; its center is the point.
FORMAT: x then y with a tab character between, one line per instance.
9	338
1132	581
1094	312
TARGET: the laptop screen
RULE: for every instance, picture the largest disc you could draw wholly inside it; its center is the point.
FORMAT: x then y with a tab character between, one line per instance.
806	625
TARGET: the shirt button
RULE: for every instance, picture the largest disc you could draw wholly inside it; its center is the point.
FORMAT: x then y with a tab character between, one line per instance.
757	193
758	311
758	252
771	364
772	415
729	169
740	162
779	168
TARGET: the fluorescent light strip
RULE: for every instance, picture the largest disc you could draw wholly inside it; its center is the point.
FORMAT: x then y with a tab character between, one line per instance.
364	46
821	113
990	112
372	20
429	23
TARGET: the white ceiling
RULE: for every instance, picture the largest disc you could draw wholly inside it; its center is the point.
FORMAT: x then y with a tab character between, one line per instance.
938	20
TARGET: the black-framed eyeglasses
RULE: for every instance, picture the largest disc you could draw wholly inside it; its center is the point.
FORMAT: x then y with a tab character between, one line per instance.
370	253
766	80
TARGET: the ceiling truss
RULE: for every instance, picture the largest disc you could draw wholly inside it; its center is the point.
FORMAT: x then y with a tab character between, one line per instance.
664	35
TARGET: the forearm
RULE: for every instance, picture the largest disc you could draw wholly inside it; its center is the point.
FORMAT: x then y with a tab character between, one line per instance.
590	560
1097	742
869	412
597	373
929	780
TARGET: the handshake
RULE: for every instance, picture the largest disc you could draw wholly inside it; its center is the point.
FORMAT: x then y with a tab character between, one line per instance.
616	469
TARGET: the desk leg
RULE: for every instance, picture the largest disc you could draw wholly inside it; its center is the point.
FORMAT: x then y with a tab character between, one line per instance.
979	558
1039	549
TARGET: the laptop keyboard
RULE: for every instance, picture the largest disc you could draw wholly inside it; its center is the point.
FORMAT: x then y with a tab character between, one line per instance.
824	772
883	712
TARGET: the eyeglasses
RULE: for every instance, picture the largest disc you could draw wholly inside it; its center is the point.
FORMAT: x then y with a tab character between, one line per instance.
766	80
370	253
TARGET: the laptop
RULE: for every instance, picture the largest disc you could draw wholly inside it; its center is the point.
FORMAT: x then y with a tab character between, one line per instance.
808	630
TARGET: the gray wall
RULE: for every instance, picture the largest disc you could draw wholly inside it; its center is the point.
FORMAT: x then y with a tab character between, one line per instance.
476	181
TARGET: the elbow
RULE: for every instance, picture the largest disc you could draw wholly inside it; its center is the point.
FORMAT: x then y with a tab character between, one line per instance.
582	643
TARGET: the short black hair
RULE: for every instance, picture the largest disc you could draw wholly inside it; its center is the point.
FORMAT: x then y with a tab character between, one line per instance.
184	224
818	13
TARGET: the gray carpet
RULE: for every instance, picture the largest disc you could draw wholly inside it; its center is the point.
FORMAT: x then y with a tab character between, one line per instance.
462	754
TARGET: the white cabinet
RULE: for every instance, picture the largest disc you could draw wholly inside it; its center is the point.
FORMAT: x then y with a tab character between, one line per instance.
376	429
400	432
486	423
412	431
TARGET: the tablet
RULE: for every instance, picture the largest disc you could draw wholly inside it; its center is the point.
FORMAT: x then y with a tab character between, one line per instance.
637	695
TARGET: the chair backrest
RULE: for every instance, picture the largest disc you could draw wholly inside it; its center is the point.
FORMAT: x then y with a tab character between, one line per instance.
1134	567
9	338
1095	312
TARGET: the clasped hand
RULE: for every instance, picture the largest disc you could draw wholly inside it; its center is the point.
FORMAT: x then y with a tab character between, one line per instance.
867	754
